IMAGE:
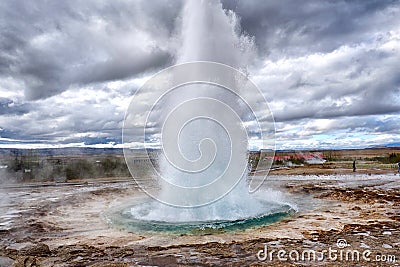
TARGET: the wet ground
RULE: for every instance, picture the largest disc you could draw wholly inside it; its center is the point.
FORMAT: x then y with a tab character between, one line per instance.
353	217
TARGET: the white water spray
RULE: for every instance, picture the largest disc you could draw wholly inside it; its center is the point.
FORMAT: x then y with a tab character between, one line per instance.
205	149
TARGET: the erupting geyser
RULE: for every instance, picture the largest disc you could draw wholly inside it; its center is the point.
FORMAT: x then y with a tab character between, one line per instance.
202	114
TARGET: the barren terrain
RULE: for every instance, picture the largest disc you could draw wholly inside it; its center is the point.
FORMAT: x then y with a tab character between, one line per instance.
63	225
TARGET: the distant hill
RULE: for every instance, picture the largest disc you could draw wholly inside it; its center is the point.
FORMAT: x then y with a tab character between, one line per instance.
82	151
76	151
397	144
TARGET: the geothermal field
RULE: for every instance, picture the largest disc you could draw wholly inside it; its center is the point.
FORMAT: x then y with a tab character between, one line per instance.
84	222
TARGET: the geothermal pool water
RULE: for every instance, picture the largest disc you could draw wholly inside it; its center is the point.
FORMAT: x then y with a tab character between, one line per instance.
123	219
143	215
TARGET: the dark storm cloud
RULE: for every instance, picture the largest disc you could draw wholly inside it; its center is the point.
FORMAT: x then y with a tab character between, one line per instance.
9	107
119	68
291	27
370	86
78	120
51	45
57	44
365	79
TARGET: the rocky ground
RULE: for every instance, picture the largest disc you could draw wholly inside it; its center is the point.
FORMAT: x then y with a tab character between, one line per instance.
64	225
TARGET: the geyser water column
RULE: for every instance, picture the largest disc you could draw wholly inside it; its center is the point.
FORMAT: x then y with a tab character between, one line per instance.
190	126
201	170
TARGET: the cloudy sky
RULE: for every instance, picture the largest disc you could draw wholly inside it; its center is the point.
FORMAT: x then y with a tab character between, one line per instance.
330	70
